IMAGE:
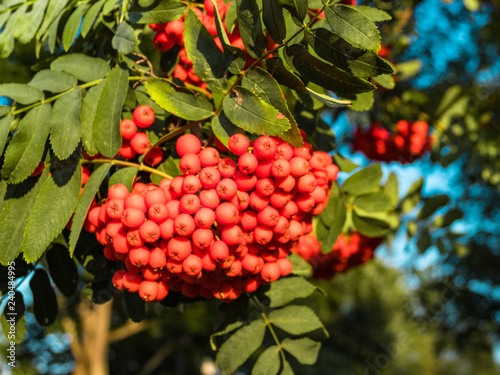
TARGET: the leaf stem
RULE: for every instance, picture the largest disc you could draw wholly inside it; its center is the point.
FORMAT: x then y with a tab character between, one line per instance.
141	167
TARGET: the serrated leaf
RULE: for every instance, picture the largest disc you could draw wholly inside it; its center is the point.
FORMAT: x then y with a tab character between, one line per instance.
54	10
374	202
182	103
285	290
304	349
391	187
66	124
432	204
365	181
53	81
84	202
14	216
295	320
333	48
26	148
87	114
272	15
297	8
52	33
208	60
51	211
165	11
250	27
332	218
91	16
281	74
268	362
27	24
299	266
13	320
44	298
370	227
124	176
62	269
344	164
374	14
125	39
353	26
83	67
246	110
229	328
21	93
223	128
5	124
7	34
325	75
240	346
72	26
106	127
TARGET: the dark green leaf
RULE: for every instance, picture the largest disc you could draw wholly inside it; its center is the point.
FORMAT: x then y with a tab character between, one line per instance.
353	26
365	181
62	269
300	266
208	60
125	39
333	218
288	289
240	346
268	362
66	124
106	127
87	114
272	15
83	67
5	124
333	48
370	227
124	176
44	298
13	320
52	210
412	197
84	202
280	73
374	202
72	26
21	93
448	218
391	187
182	102
26	148
424	240
229	328
53	81
297	8
223	128
250	27
19	201
27	24
295	320
432	204
304	349
374	14
91	16
136	307
326	75
170	167
344	164
246	110
54	10
159	12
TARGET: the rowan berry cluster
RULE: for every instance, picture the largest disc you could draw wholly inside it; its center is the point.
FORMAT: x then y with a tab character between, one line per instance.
409	141
223	227
348	252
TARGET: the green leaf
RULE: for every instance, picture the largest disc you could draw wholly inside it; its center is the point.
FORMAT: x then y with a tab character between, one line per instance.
54	11
432	204
27	24
333	218
182	102
272	15
365	181
62	269
44	298
287	369
53	81
51	211
288	289
52	33
448	218
5	124
84	202
229	328
331	47
240	346
21	93
300	266
328	100
72	26
246	110
19	202
374	202
208	60
87	114
277	69
162	12
106	127
83	67
391	187
424	240
296	320
326	75
4	109
223	128
124	176
91	16
385	80
344	164
370	227
363	102
7	34
374	14
66	124
136	307
250	27
170	167
26	148
297	8
268	362
125	39
353	26
13	320
304	349
412	197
